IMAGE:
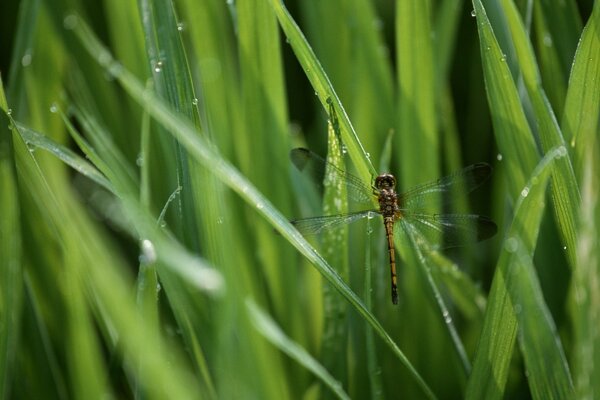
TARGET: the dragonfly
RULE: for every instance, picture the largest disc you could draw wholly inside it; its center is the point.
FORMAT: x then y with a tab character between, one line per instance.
413	206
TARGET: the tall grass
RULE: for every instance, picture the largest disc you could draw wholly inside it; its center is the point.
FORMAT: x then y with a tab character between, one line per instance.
145	192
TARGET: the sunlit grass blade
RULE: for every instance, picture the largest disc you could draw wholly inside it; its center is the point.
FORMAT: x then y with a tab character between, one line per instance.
496	344
273	333
204	153
513	135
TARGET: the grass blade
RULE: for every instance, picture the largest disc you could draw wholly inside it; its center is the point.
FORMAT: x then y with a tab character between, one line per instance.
273	333
495	349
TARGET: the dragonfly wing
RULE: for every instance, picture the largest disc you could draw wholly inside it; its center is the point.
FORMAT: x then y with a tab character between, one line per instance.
465	181
315	225
312	164
453	230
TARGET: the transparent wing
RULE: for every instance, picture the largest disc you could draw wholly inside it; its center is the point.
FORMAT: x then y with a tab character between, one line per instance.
455	229
439	191
314	165
315	225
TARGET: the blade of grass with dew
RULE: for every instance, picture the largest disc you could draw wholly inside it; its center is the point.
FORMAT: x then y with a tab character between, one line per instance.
545	362
334	342
584	304
203	153
273	333
582	105
11	248
65	154
513	135
320	82
171	76
496	343
565	193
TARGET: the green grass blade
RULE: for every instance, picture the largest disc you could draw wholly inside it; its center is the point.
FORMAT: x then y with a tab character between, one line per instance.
172	82
323	88
204	153
564	27
273	333
545	361
418	141
36	139
335	201
11	248
496	345
565	193
585	287
513	136
582	111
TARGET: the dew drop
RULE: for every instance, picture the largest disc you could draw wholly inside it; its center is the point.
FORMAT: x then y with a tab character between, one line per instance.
70	21
511	245
562	151
195	101
525	191
139	161
158	66
9	111
473	13
180	26
503	58
53	108
26	59
518	308
499	157
148	252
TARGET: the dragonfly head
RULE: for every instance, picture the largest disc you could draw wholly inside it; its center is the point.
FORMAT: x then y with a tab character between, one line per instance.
385	181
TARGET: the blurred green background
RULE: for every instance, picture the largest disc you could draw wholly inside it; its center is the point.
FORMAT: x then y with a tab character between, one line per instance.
144	172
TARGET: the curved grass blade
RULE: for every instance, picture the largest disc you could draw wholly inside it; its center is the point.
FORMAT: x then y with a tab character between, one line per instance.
496	343
323	88
273	333
547	369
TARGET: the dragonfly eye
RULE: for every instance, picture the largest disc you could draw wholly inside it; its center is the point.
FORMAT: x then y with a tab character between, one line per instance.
385	181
